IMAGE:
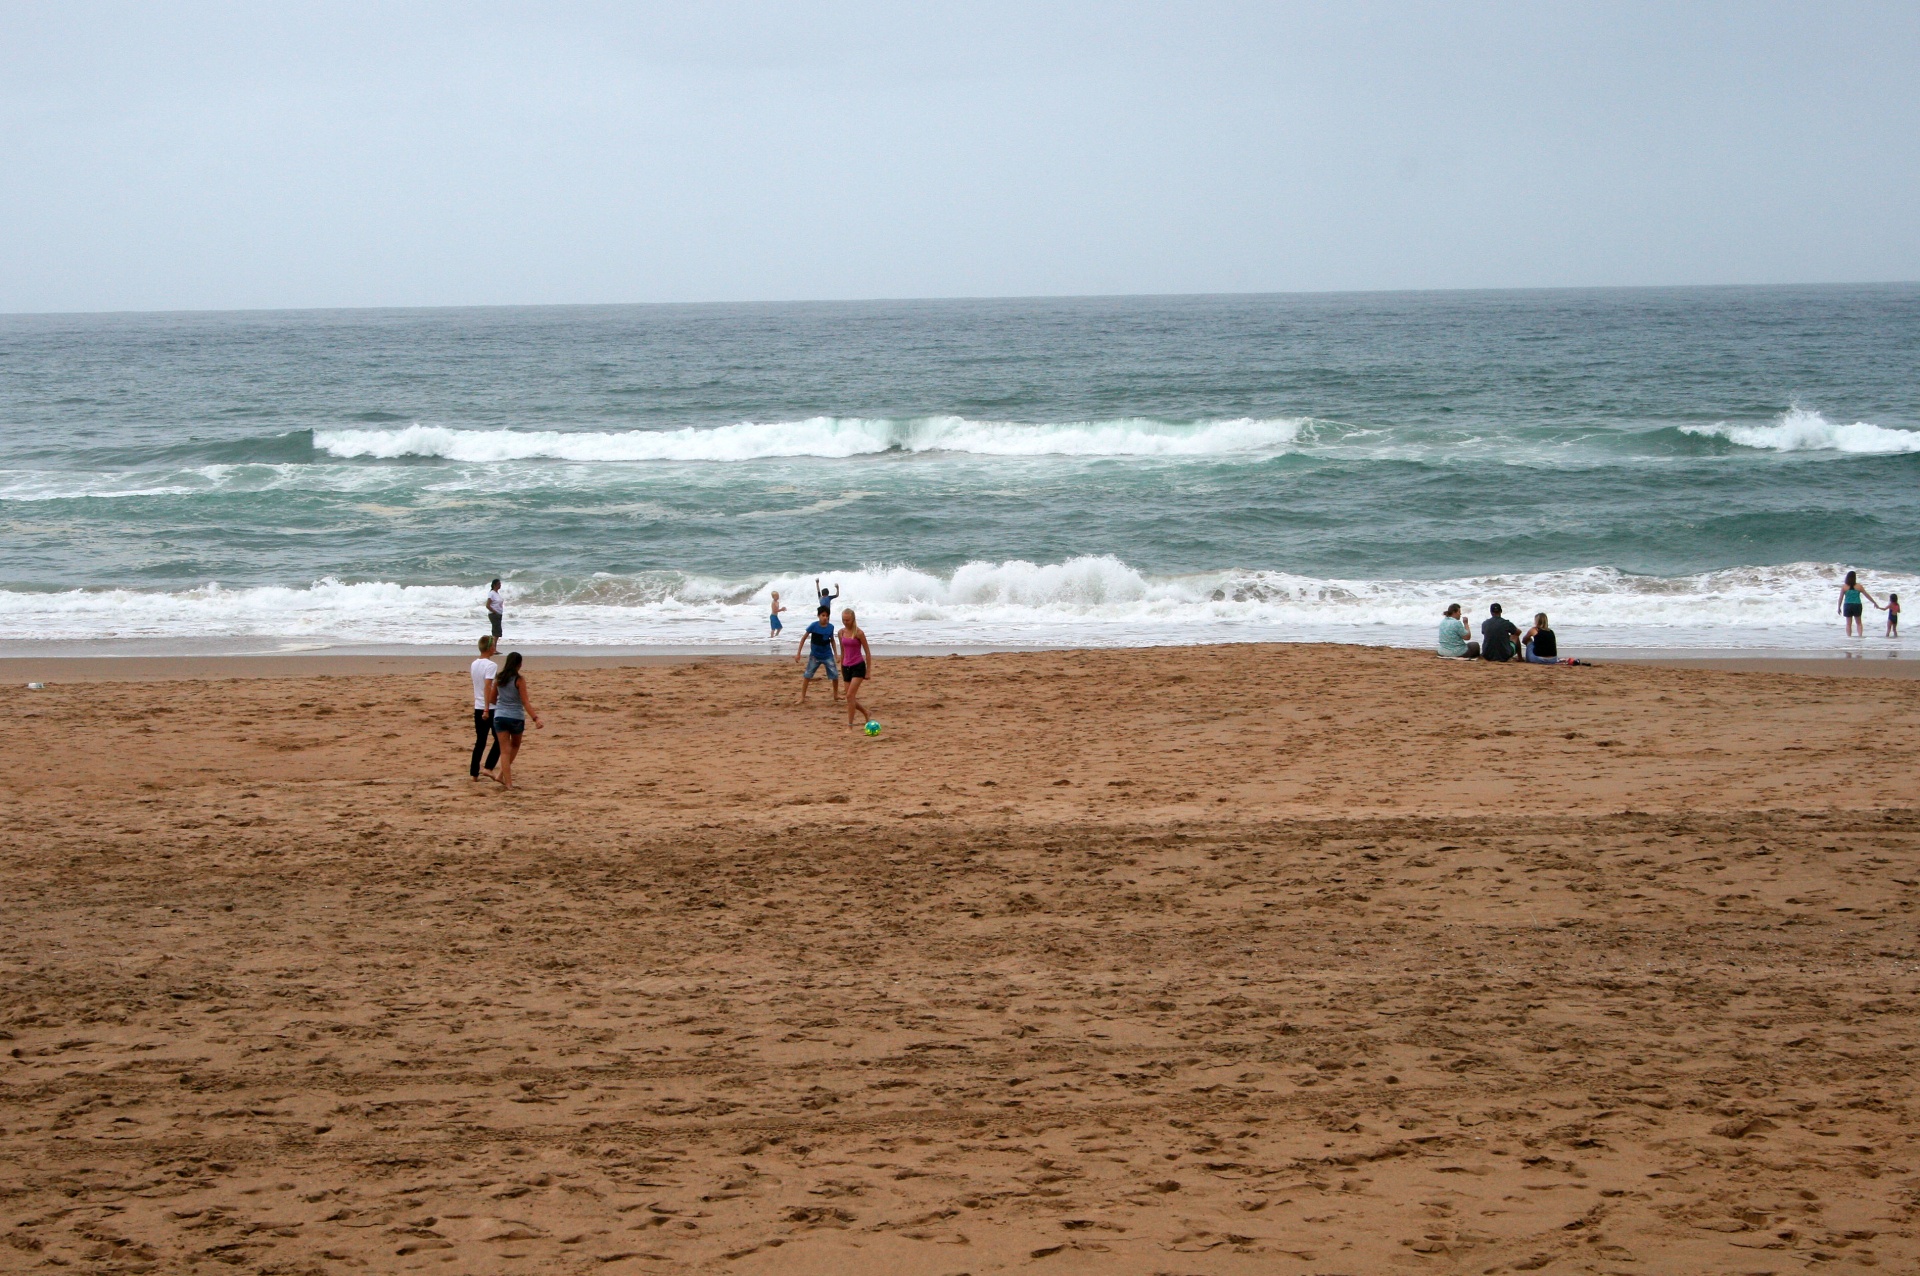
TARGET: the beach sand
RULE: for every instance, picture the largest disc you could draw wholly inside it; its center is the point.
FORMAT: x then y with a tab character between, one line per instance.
1219	960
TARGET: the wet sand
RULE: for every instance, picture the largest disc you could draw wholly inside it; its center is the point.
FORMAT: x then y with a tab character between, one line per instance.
1224	960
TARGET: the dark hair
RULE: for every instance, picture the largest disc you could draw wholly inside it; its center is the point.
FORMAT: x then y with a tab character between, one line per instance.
825	609
1852	579
496	583
509	668
1451	608
1495	609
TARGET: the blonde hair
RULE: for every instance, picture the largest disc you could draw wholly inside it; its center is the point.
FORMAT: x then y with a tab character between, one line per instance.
1540	619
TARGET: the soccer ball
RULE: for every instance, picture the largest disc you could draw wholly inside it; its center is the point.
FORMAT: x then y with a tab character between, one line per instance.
873	727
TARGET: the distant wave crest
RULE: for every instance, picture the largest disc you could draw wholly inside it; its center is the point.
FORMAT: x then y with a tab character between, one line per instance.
1805	430
821	437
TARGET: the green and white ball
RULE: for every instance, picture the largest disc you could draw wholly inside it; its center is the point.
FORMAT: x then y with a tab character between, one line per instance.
873	727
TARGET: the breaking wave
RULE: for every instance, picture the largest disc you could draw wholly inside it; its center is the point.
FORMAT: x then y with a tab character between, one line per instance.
822	437
1087	601
1805	430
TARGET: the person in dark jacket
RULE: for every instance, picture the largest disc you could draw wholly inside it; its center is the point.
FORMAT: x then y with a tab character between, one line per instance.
1497	635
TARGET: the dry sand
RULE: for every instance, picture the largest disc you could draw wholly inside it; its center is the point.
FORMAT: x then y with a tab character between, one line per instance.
1230	960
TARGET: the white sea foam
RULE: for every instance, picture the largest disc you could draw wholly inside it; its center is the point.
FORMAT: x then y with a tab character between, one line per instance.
1805	430
821	437
1091	601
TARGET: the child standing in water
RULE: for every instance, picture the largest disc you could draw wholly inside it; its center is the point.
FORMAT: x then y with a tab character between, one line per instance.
1893	615
773	618
855	665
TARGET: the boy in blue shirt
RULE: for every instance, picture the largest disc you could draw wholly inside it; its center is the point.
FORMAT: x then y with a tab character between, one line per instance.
820	635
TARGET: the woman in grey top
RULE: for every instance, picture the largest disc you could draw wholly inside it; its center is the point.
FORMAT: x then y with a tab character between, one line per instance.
507	697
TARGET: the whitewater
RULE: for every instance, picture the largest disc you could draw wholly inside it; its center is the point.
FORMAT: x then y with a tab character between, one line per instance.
1083	602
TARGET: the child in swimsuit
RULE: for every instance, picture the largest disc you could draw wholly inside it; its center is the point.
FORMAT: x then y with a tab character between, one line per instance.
1893	615
773	618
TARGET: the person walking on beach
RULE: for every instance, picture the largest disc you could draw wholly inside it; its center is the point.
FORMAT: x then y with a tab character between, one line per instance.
773	617
496	607
1496	636
818	637
1851	609
483	671
856	664
507	697
1453	635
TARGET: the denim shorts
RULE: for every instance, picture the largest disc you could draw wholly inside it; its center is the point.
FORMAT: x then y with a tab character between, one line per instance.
510	726
817	662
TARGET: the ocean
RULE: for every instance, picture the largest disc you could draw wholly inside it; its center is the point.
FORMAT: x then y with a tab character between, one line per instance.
1655	468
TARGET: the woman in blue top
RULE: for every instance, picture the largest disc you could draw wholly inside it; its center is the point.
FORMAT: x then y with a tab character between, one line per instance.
1851	609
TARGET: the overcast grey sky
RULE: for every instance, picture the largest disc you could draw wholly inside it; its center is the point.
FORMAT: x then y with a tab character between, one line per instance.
181	155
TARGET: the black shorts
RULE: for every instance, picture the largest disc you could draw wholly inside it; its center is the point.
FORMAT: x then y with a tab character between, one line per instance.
854	671
1853	611
509	726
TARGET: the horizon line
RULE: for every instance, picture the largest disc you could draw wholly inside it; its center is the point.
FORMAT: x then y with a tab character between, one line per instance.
956	297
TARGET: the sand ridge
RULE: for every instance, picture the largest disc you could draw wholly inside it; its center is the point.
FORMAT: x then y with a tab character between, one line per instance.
1237	960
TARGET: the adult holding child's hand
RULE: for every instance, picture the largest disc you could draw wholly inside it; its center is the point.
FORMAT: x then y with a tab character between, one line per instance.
1851	609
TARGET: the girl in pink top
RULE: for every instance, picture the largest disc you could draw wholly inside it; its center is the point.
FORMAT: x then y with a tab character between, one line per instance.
855	665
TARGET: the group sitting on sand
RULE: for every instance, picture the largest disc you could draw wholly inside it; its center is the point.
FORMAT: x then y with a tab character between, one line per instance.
1501	639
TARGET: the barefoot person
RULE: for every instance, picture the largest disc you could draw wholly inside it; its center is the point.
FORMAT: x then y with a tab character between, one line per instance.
507	697
816	644
1851	609
773	617
483	671
856	664
496	607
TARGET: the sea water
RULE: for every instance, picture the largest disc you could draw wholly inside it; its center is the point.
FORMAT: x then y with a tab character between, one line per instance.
1655	468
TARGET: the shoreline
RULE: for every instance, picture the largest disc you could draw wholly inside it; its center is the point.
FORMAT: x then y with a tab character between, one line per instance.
360	663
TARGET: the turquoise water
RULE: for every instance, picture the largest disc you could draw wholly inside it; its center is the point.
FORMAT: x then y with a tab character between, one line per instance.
1665	467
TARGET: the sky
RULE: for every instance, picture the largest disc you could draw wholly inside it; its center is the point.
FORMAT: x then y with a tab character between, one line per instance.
197	156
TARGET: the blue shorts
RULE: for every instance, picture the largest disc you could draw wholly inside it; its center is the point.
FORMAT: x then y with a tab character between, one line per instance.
509	726
816	662
775	621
